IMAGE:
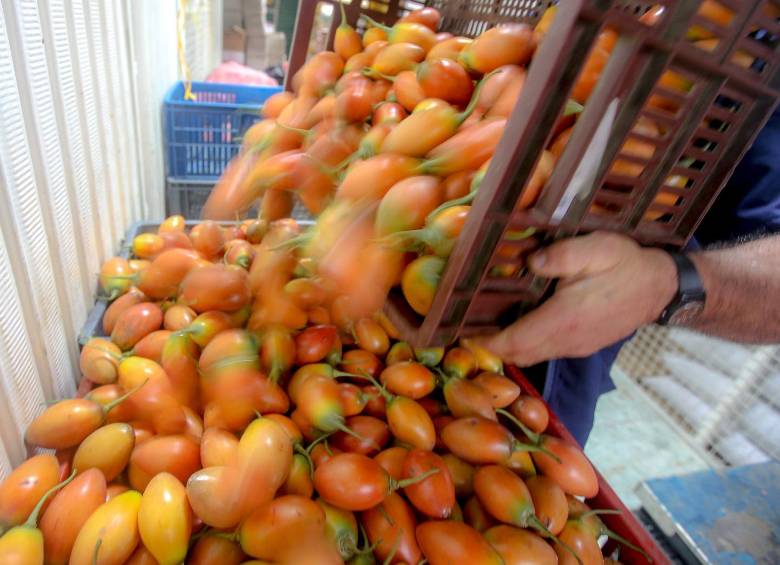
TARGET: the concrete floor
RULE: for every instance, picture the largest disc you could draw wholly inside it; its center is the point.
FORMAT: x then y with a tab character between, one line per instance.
631	442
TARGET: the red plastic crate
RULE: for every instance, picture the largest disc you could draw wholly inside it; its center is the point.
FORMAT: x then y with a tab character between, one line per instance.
693	152
624	524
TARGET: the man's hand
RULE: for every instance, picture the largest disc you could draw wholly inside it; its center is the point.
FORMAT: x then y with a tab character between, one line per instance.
609	286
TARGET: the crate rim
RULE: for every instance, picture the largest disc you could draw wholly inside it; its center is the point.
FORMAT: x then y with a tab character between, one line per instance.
205	181
170	100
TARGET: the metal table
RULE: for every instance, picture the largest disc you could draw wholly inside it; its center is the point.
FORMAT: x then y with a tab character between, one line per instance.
727	517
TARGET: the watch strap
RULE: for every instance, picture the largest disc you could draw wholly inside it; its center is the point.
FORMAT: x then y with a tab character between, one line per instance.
689	287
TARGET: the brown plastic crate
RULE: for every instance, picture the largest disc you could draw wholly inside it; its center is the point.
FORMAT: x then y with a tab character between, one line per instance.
692	156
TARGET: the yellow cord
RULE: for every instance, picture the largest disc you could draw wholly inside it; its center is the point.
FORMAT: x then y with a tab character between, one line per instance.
185	68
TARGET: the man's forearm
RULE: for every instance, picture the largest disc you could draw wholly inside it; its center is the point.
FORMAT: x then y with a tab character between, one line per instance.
743	291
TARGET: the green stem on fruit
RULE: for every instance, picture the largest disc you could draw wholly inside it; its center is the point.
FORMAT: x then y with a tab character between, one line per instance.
306	133
367	546
365	152
349	160
536	524
229	362
462	201
344	22
323	438
277	369
371	73
375	23
32	519
385	515
114	293
261	145
400	240
294	242
230	536
344	428
389	559
417	241
336	374
572	107
243	261
380	387
518	445
98	543
623	541
514	235
463	116
195	537
533	436
332	172
403	483
444	378
114	403
305	454
111	354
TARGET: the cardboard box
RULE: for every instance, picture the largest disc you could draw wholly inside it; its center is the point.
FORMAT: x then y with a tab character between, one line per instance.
232	14
234	45
264	52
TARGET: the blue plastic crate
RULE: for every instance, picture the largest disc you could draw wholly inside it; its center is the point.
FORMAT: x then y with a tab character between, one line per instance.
201	136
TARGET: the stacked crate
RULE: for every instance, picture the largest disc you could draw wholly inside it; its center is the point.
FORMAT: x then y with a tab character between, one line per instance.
203	135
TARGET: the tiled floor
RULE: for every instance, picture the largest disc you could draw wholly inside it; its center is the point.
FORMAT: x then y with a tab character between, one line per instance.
630	442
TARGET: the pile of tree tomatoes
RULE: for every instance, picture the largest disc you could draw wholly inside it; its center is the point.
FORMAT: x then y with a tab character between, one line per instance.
250	403
208	434
388	138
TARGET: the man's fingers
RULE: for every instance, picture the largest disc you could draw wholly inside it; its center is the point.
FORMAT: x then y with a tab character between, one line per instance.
556	328
537	336
579	256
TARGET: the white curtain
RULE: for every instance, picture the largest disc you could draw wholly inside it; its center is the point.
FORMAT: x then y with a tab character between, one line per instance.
81	159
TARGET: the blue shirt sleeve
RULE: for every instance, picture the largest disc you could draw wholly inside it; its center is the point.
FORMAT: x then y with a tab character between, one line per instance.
750	202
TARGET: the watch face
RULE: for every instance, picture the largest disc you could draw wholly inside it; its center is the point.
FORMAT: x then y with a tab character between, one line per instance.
686	313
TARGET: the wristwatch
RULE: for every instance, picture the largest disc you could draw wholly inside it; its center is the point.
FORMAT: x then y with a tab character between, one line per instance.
689	300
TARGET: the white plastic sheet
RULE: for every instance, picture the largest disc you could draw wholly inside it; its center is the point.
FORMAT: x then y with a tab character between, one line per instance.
81	88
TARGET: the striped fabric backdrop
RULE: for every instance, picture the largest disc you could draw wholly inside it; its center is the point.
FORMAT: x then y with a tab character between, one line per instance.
81	85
